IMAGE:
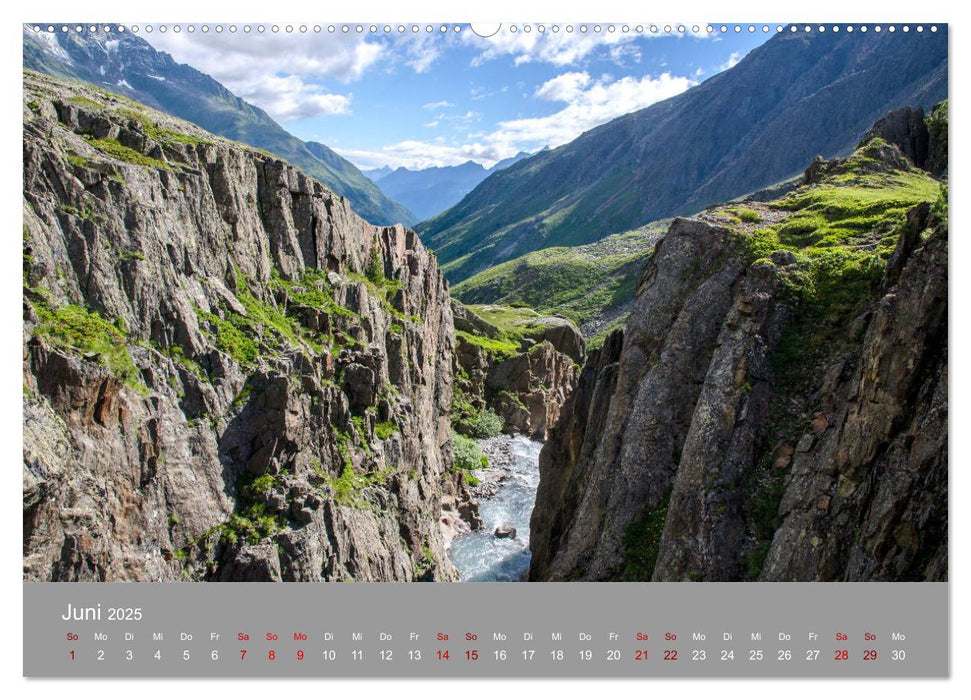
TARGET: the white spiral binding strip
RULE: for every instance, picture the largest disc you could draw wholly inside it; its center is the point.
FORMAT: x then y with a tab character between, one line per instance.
447	28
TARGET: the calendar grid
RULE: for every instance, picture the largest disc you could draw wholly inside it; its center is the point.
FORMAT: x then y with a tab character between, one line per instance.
472	630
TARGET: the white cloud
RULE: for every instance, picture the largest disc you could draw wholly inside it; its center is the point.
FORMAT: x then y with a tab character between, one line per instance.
278	72
422	50
597	104
622	53
559	48
564	87
481	92
421	154
437	105
593	103
732	61
564	48
289	98
431	125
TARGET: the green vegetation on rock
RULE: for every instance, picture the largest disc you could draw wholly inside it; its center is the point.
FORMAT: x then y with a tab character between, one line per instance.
486	424
161	134
937	127
233	340
746	215
85	214
493	346
468	455
766	489
348	488
83	101
514	323
841	232
642	542
176	353
251	522
463	412
272	325
88	334
117	151
382	431
380	287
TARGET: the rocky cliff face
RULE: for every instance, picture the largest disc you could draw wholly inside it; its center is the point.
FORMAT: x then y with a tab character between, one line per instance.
527	385
923	140
228	375
776	407
866	498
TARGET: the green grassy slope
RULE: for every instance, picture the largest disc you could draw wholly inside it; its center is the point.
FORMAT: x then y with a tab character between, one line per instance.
591	284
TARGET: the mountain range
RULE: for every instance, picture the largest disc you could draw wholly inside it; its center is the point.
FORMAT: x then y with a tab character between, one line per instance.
128	65
431	191
796	96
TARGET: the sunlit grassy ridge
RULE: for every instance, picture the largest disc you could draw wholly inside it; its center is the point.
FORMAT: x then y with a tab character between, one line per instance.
841	231
589	284
513	322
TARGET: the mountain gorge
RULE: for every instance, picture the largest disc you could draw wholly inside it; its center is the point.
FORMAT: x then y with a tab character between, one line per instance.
238	365
798	95
130	66
776	406
230	376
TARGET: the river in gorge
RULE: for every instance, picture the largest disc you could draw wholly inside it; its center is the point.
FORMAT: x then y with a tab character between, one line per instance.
506	494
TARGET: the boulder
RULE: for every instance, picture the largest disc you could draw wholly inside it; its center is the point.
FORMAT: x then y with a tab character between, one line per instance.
561	333
505	531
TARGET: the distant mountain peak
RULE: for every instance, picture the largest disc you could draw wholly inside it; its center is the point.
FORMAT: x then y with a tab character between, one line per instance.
376	174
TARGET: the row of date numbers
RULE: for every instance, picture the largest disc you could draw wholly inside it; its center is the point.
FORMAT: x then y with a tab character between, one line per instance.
668	655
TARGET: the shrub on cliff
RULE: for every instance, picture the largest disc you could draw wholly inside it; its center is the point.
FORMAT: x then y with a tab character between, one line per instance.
487	424
467	453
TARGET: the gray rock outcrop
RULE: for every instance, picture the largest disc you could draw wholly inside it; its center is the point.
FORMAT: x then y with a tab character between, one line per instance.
907	129
526	389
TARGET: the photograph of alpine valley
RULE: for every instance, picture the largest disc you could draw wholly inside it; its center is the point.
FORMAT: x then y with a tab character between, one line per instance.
564	303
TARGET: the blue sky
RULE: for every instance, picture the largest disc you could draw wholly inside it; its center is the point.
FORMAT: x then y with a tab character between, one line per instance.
420	99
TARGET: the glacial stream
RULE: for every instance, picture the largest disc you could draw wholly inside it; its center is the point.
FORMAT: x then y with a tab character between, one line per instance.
506	496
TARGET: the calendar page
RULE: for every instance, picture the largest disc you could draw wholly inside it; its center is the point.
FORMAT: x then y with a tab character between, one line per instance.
461	350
